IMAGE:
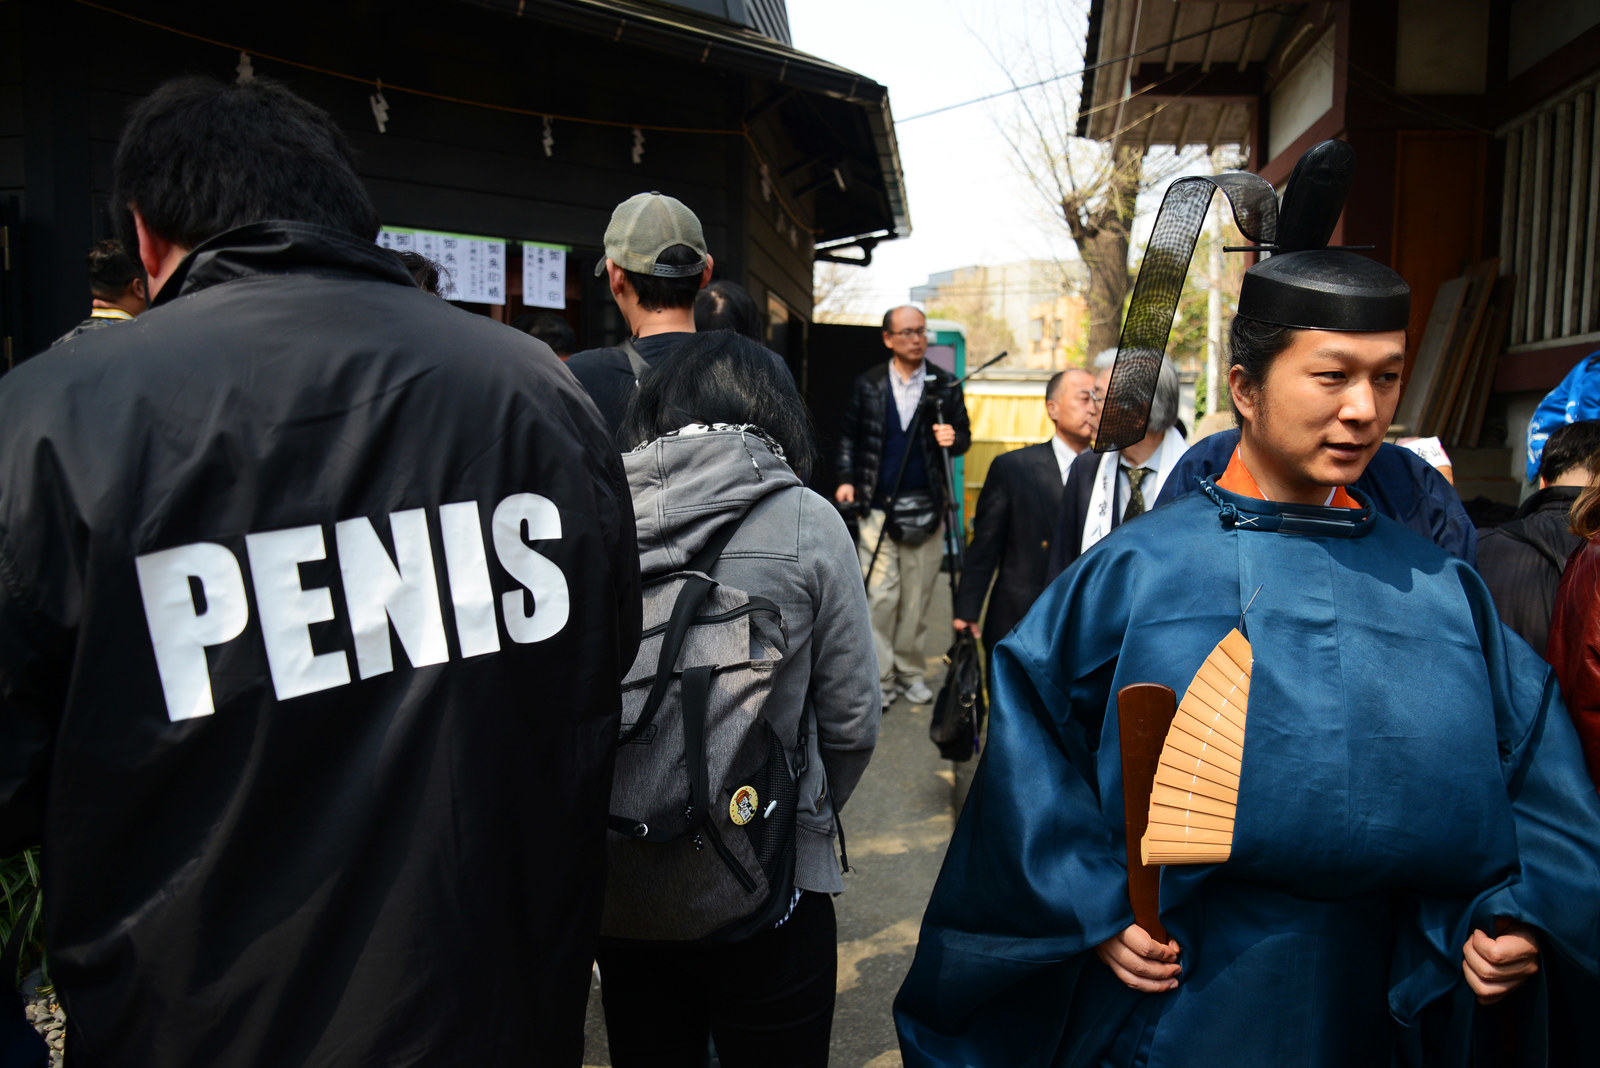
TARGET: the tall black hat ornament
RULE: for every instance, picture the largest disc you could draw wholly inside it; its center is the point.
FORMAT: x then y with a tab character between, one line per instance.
1302	284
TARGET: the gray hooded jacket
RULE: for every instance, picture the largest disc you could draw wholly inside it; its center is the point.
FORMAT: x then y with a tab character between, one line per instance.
793	549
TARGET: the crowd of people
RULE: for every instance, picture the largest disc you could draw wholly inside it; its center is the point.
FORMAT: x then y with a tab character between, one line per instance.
340	628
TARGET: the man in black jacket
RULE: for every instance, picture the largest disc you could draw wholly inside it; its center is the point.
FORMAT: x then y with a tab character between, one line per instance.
315	592
1016	516
876	440
656	262
1522	559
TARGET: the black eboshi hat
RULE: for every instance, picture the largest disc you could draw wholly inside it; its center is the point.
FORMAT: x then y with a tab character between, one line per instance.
1302	283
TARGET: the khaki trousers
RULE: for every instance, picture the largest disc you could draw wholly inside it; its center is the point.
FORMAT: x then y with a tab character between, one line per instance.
897	598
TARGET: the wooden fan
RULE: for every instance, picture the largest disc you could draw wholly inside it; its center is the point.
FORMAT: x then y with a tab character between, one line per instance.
1197	780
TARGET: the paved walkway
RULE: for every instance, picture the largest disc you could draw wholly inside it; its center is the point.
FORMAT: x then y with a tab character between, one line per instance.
896	826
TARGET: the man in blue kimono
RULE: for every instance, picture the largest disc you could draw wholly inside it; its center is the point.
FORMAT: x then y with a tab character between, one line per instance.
1413	831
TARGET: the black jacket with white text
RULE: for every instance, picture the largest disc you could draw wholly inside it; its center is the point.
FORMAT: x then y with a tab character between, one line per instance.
315	594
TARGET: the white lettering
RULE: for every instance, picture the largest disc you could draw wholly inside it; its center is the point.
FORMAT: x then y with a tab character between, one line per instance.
541	578
179	633
468	569
376	591
287	611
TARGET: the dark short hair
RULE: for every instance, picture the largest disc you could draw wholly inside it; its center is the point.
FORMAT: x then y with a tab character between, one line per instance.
659	294
721	377
725	305
1252	346
112	269
199	157
423	271
888	316
1572	445
550	328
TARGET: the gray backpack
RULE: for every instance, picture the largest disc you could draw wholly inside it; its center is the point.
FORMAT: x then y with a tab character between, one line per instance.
701	842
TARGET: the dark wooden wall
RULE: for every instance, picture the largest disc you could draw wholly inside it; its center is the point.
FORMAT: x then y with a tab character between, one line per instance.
68	75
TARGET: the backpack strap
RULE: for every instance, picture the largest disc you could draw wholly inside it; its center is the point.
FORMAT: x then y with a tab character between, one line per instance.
639	364
704	560
694	593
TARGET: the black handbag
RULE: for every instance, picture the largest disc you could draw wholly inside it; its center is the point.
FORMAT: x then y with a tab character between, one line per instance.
912	517
959	709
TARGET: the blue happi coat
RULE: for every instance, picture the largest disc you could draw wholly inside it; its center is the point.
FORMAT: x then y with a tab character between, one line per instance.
1409	771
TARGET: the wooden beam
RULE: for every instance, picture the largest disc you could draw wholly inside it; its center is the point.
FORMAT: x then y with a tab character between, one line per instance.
1591	278
1216	127
1183	124
1250	35
1574	279
1172	34
1540	222
1560	190
1211	37
1192	82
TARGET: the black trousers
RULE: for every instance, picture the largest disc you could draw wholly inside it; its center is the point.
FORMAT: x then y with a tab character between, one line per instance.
767	1001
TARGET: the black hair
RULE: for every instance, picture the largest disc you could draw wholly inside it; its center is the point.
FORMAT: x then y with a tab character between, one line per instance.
550	328
722	377
1572	445
725	305
112	269
199	157
423	271
888	316
1252	346
658	294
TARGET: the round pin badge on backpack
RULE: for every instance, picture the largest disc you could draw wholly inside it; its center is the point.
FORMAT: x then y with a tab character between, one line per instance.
742	809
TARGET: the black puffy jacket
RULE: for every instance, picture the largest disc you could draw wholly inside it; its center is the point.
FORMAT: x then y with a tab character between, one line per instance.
315	594
860	456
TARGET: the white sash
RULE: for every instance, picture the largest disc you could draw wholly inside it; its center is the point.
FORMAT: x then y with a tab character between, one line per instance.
1097	524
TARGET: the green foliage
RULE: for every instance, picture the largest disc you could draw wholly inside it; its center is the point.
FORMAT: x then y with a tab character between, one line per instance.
19	877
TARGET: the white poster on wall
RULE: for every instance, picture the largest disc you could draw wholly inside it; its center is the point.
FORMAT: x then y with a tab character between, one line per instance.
471	268
544	275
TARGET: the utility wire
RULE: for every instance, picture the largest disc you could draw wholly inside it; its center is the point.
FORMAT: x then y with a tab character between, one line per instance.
1095	65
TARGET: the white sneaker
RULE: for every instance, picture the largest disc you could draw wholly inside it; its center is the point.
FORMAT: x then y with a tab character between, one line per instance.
888	695
918	693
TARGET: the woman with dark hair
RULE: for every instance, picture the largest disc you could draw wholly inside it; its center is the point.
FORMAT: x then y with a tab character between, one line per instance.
722	437
725	305
1369	816
1574	646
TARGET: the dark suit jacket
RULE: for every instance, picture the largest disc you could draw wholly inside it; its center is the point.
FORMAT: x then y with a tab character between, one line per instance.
1012	530
1074	509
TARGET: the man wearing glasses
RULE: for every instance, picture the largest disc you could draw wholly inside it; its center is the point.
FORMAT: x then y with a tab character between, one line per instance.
1016	517
890	464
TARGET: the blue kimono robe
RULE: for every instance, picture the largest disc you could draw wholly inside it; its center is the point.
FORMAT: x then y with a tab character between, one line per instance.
1409	772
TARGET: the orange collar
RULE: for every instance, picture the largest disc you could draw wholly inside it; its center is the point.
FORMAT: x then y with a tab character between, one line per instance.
1237	479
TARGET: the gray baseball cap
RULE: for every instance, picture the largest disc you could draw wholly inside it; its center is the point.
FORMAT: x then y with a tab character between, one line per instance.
646	225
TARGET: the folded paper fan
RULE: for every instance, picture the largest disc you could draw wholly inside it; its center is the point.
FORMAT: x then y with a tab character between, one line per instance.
1197	782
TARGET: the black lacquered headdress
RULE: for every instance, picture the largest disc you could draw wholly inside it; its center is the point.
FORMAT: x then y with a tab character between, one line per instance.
1303	283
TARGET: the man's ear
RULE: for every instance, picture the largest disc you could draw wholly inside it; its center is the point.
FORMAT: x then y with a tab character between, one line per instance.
1244	398
159	255
616	279
705	275
153	248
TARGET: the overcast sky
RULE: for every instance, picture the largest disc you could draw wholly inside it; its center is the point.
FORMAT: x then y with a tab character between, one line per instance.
969	203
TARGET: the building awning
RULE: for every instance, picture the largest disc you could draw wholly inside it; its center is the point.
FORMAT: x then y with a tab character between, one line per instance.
1179	73
847	176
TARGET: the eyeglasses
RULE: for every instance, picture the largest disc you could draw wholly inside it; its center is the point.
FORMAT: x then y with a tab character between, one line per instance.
911	334
1086	397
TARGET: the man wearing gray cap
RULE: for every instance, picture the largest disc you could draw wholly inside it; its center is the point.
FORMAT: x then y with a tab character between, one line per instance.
656	261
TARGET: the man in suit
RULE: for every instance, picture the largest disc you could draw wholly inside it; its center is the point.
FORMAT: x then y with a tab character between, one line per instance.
1104	490
1016	516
